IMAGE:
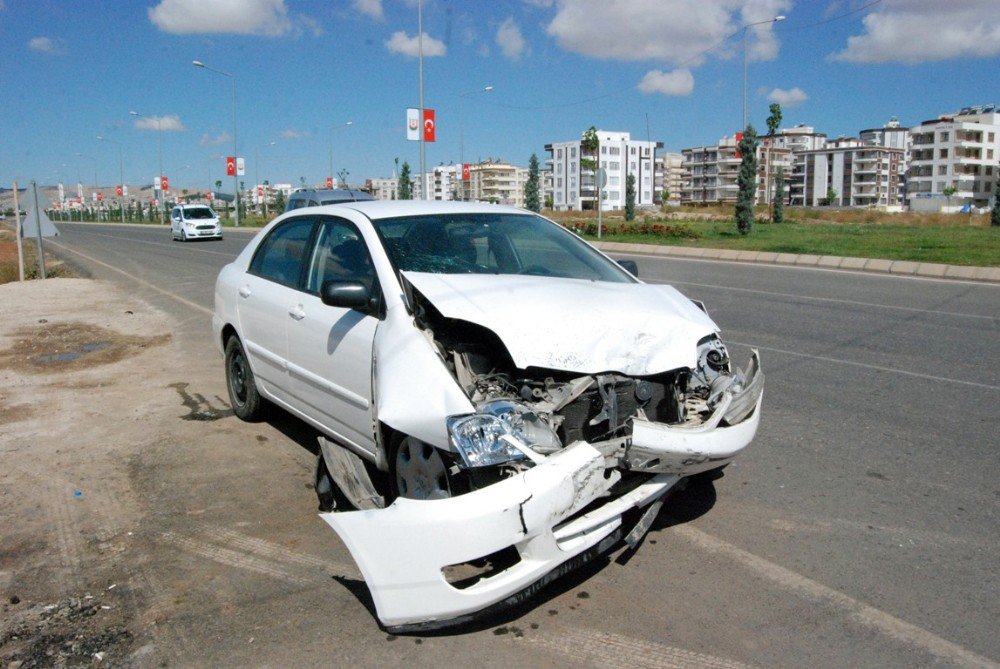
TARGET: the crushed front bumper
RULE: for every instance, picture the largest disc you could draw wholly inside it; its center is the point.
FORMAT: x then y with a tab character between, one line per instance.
402	550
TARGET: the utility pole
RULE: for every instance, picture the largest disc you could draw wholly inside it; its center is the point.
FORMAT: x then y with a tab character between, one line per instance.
17	233
420	45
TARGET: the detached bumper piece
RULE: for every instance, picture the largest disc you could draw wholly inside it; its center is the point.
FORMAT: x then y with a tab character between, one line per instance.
403	550
713	444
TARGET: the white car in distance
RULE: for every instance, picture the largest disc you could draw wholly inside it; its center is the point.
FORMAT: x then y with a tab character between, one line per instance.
526	398
194	221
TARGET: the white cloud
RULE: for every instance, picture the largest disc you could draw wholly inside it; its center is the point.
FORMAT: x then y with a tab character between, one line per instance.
242	17
790	98
168	123
510	39
402	43
676	32
678	82
917	31
372	8
46	45
292	133
207	140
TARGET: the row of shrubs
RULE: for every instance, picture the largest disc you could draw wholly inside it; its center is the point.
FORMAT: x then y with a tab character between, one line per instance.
671	230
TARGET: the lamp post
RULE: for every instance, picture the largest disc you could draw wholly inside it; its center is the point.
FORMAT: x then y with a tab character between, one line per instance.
332	128
159	152
461	132
236	186
745	31
121	172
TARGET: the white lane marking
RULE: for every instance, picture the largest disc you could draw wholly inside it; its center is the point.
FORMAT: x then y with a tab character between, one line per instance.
604	649
143	282
171	245
863	365
836	300
865	614
805	268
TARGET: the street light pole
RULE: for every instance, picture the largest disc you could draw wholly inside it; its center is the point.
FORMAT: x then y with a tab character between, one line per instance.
121	173
256	177
745	31
461	132
332	128
159	151
236	186
420	48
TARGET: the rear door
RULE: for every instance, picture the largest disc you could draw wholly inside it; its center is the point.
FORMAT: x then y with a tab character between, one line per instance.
330	348
270	285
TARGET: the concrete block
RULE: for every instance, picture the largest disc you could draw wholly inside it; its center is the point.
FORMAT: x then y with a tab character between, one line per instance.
726	254
903	267
878	265
688	252
986	274
829	261
853	263
747	256
807	259
960	272
931	269
786	258
767	256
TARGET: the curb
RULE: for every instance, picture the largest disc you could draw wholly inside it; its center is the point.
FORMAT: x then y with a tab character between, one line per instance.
896	267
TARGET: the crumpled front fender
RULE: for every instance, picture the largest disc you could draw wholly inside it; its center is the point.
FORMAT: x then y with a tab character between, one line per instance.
402	549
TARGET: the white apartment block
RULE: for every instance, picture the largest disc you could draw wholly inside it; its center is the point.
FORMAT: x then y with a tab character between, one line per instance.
383	189
798	138
670	177
712	172
959	151
862	175
442	183
574	188
497	182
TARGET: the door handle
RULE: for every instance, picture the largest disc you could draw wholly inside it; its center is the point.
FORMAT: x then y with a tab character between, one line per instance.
244	291
297	312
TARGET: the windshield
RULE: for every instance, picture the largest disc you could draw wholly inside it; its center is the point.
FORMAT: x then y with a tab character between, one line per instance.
198	213
492	244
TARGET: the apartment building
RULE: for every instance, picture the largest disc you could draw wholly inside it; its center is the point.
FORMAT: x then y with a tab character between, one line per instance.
442	183
574	185
383	189
670	177
497	182
959	151
859	174
712	172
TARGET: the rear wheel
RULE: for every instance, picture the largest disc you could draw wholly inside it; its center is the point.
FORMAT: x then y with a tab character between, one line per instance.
243	396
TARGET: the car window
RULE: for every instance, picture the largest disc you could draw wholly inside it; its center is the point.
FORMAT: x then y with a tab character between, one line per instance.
481	243
340	255
198	213
282	256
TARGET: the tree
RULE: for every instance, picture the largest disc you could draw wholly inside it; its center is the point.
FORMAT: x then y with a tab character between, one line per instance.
531	200
778	212
773	123
948	191
405	185
218	184
279	201
630	197
549	202
747	180
995	213
831	196
588	149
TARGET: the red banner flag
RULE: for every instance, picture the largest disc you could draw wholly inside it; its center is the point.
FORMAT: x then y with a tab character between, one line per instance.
230	166
429	126
100	196
119	191
329	182
466	172
164	183
739	138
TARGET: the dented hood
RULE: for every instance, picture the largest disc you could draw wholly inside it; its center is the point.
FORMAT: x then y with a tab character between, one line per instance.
575	325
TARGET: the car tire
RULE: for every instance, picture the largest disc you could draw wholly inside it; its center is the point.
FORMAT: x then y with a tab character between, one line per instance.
417	470
246	401
184	236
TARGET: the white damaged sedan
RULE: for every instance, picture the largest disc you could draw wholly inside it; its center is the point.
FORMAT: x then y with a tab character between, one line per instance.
497	396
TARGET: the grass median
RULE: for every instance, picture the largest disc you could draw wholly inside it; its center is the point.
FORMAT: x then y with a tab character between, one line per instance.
955	239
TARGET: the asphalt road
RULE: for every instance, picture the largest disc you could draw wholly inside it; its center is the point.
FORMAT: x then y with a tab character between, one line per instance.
860	529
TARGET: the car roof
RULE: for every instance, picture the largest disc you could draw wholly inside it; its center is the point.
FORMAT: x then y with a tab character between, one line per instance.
321	193
377	209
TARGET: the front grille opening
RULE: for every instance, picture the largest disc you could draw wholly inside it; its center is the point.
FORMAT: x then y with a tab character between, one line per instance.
467	574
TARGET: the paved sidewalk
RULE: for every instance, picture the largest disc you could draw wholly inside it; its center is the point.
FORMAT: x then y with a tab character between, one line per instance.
898	267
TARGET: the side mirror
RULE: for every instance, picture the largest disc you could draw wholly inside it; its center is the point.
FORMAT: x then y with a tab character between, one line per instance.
630	267
347	295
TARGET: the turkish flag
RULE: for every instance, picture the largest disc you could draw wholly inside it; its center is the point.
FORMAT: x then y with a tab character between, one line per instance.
119	191
100	196
230	166
260	191
429	126
329	182
739	138
466	173
164	183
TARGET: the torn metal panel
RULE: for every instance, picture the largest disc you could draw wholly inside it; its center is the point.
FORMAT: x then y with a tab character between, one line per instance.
414	391
349	473
633	329
402	549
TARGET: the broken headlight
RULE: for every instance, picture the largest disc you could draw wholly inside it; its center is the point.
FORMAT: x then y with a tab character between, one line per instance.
502	431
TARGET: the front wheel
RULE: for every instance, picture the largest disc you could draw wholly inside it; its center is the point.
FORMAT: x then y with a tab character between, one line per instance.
243	396
418	471
184	236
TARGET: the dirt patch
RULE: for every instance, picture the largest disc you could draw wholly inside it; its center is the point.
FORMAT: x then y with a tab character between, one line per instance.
74	632
67	346
13	413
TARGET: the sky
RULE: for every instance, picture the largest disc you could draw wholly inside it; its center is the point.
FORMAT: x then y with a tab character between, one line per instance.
666	70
